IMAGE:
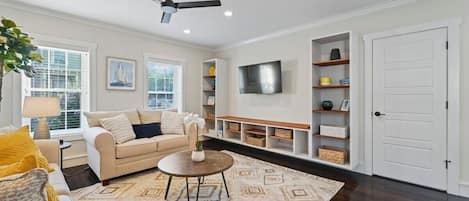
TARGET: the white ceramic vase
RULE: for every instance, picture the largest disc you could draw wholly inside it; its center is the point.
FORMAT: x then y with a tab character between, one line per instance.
198	156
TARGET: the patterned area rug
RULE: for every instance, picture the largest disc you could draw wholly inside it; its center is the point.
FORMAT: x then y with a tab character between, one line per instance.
248	180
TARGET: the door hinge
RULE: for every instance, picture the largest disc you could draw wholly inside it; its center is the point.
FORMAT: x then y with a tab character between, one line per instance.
447	105
447	45
447	162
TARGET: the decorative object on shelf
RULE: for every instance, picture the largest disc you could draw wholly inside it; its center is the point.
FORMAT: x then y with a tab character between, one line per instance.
334	131
214	84
41	107
20	54
255	140
345	81
120	73
327	105
198	155
325	81
211	100
335	54
284	133
234	126
345	106
333	155
211	71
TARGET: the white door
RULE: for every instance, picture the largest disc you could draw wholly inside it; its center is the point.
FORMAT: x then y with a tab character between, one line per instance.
409	107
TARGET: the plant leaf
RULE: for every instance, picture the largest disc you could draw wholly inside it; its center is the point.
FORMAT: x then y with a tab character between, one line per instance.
8	23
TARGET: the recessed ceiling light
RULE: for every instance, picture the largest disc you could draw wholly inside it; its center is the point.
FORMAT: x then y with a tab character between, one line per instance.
228	13
187	31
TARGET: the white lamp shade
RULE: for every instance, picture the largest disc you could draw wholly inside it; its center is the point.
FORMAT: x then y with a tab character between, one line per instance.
41	106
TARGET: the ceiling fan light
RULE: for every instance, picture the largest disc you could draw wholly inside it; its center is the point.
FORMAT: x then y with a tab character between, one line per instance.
187	31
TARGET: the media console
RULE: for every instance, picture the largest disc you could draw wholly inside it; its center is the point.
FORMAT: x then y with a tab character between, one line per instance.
260	134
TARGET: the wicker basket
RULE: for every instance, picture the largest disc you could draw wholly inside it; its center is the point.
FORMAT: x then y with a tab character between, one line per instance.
333	155
284	133
234	126
255	140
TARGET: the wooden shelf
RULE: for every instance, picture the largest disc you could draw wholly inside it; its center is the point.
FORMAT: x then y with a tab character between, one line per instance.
332	62
256	131
234	131
209	76
281	138
331	111
208	105
209	118
266	122
330	137
345	86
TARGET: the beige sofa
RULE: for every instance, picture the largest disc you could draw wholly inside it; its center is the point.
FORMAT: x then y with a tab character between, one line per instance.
109	160
50	149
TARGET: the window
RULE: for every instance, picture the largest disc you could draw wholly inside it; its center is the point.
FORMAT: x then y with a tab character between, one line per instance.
62	73
164	87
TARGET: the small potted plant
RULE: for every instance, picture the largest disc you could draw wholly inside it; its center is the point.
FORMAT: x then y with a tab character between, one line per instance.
17	53
198	154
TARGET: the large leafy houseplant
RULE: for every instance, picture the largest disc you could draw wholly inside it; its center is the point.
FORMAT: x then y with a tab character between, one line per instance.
17	53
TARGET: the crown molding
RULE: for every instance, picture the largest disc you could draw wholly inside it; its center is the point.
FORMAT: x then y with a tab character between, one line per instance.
99	24
328	20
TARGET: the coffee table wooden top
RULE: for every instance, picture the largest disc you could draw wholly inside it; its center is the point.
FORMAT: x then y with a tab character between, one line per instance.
181	165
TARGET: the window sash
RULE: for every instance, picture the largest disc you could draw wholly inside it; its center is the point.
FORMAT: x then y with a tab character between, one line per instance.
176	91
67	70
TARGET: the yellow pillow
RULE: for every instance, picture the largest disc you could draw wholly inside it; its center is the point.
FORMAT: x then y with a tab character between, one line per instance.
29	162
16	145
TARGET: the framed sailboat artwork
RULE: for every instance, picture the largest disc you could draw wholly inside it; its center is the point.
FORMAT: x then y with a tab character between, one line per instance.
120	73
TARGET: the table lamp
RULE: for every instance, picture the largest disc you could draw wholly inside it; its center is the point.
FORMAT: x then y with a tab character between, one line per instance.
41	108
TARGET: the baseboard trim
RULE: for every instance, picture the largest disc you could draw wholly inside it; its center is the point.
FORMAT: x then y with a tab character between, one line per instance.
75	160
464	189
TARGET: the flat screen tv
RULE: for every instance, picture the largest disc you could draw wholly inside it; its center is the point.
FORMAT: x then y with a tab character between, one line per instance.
263	78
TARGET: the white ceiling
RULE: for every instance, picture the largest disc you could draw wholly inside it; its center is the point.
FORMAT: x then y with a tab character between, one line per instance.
251	18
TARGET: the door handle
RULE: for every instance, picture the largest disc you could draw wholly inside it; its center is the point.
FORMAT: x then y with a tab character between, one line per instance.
379	114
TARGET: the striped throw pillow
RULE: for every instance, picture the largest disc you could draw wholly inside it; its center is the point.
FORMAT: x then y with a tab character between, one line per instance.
120	128
172	123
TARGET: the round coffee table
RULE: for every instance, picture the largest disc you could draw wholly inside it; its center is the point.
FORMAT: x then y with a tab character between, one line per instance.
181	165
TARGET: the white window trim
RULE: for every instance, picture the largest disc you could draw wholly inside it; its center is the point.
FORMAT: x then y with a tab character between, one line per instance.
180	79
73	45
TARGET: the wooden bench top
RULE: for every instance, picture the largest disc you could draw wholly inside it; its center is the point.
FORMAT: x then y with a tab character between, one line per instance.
266	122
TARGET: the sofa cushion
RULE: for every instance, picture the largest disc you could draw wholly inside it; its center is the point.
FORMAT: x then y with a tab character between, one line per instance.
147	117
135	147
57	180
120	128
147	130
172	123
167	142
94	117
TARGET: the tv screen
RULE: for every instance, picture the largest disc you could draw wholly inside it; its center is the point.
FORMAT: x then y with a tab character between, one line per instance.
263	78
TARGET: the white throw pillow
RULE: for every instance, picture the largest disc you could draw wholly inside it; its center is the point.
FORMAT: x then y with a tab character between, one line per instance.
172	123
120	128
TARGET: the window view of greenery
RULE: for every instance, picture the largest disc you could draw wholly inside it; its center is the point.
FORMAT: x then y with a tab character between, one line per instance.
59	75
161	90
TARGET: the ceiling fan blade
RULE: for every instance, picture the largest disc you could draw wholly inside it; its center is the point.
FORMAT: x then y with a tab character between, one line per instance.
198	4
166	18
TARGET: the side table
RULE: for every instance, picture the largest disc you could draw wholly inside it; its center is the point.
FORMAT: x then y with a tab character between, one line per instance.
63	145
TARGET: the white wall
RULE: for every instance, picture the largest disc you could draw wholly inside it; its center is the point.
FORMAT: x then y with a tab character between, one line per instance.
110	42
293	50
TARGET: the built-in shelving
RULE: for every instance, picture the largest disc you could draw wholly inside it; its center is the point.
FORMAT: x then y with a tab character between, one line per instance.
281	138
329	63
343	86
340	69
214	86
331	111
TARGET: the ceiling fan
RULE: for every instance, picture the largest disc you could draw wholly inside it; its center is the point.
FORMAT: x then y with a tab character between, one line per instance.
169	7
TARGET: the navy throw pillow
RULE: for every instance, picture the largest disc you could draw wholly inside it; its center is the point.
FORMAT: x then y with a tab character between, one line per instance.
147	130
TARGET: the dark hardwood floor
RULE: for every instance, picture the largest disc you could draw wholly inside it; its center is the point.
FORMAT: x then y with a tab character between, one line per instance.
357	187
